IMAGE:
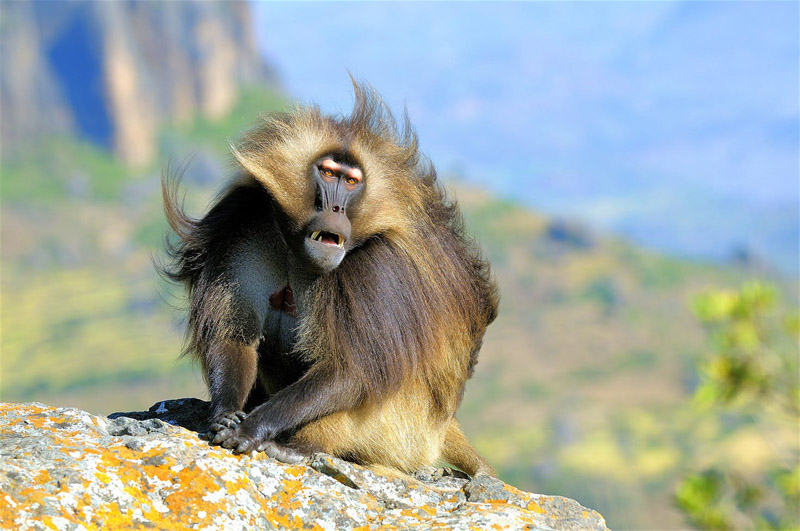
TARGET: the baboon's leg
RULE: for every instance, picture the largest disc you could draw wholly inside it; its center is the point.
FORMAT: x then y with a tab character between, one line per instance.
457	451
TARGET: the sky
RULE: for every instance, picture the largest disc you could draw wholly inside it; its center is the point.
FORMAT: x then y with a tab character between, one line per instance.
655	120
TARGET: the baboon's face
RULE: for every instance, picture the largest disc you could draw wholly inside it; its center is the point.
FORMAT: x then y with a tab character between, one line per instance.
339	185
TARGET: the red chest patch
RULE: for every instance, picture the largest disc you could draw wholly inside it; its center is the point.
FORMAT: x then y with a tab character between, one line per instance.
283	301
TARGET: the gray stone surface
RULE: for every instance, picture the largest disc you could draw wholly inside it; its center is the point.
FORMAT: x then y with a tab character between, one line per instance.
66	469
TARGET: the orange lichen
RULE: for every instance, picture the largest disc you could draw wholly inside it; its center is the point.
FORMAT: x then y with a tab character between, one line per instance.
191	488
33	493
514	491
8	509
290	488
42	477
421	513
285	519
295	470
536	508
288	504
39	421
495	501
428	509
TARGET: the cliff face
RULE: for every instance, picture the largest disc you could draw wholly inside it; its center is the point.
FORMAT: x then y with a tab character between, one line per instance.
67	469
112	72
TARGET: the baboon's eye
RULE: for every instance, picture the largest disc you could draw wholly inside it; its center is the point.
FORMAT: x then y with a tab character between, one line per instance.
351	181
327	172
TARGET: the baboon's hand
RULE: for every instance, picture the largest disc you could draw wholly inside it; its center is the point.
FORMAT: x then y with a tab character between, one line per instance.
280	452
242	444
223	427
254	433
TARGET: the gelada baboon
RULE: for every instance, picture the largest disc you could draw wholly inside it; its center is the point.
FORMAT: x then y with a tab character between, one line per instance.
335	302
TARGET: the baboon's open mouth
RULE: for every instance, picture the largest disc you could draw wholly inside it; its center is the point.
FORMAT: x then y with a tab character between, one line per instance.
330	238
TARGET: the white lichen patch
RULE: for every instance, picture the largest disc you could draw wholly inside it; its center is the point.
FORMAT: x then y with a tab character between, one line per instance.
67	501
267	486
216	496
160	506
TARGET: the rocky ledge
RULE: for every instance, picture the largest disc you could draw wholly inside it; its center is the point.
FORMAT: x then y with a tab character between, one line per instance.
67	469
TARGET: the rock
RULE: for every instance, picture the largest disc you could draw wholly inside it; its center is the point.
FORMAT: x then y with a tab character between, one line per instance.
62	468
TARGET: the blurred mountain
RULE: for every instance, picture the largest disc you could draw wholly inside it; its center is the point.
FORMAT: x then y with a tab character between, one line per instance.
114	72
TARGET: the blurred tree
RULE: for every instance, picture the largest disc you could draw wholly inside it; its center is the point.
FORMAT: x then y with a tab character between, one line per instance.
753	369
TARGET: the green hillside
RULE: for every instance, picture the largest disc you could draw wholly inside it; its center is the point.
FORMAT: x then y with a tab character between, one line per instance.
584	384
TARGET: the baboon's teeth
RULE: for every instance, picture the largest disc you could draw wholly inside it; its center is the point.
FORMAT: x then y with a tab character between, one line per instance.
321	235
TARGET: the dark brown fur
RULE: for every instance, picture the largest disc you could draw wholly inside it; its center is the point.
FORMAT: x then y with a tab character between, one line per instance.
389	337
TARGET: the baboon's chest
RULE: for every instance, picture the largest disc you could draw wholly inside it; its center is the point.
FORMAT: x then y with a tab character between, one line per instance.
283	301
